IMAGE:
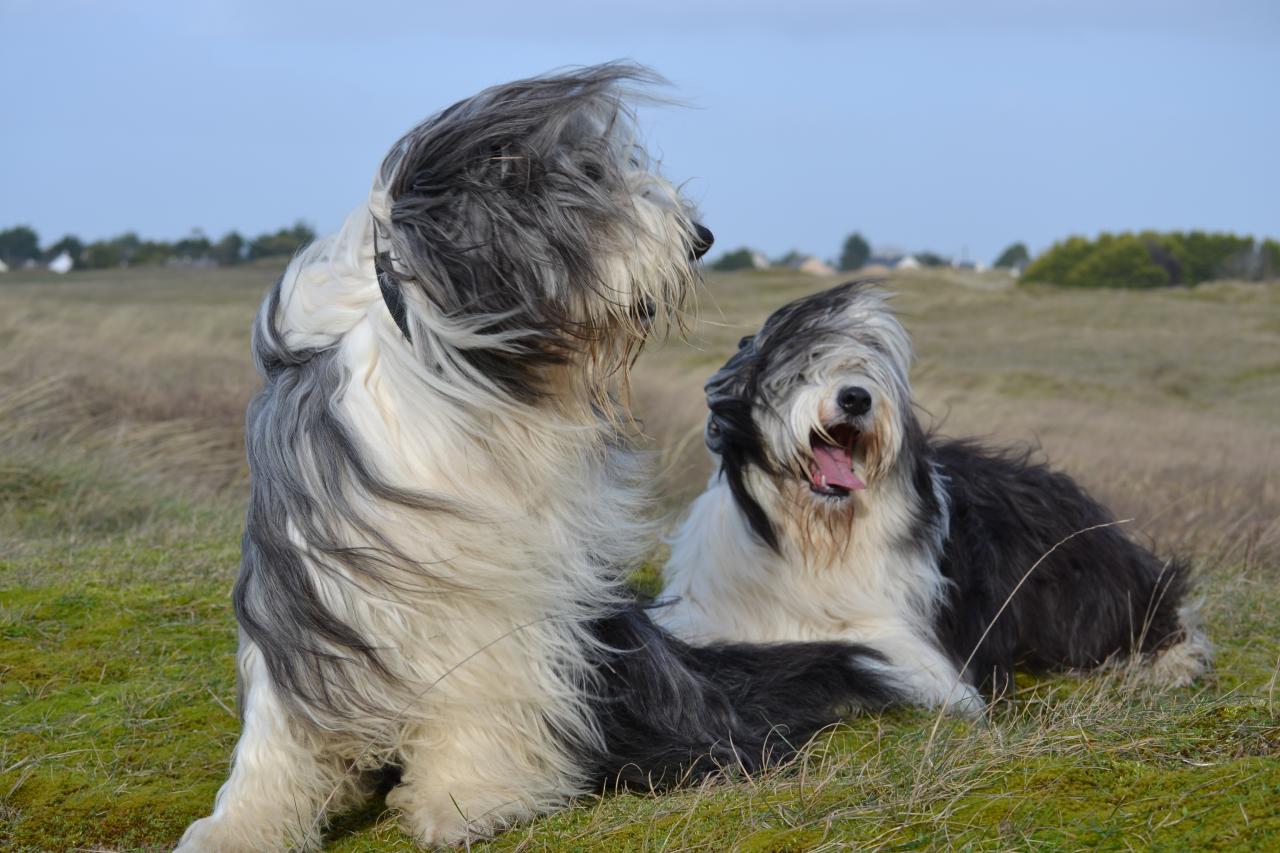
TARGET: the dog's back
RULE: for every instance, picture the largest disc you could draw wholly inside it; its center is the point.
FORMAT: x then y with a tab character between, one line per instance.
1074	588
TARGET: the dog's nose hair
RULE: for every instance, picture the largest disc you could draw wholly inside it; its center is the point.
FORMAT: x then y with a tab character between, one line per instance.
703	238
854	400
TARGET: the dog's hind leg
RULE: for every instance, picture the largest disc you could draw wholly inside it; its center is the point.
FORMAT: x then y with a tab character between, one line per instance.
280	784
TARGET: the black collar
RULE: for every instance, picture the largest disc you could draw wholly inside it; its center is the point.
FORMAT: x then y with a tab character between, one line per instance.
392	295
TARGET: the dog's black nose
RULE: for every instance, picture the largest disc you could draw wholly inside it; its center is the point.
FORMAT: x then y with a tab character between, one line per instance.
854	400
702	240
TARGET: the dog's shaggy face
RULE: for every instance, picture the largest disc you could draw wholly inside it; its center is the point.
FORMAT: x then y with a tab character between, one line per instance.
809	411
527	227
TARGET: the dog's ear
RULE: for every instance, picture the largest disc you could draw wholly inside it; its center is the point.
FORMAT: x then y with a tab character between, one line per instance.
741	446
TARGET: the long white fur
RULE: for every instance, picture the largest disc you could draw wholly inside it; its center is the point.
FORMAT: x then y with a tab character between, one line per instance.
724	585
490	646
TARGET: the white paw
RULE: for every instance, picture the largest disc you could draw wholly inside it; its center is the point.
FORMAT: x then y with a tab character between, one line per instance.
224	834
207	836
434	820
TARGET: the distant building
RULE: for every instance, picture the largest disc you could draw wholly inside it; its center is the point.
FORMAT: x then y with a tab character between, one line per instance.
810	265
759	261
4	268
893	261
975	266
62	264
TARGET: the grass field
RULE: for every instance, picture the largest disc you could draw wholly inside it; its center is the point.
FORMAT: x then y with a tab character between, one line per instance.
122	485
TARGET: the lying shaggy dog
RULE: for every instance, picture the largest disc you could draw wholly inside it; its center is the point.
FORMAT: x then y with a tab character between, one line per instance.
443	507
833	514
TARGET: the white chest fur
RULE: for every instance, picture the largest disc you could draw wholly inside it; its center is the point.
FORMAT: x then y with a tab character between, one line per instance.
878	588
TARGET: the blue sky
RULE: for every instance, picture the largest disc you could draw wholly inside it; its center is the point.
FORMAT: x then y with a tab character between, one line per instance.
956	127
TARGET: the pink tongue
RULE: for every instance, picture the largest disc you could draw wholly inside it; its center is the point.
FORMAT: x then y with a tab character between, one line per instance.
834	467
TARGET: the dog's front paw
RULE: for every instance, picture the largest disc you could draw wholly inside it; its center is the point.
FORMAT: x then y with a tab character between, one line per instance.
434	820
208	835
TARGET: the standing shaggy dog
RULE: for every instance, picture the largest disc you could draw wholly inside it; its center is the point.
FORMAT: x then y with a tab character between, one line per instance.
443	507
833	514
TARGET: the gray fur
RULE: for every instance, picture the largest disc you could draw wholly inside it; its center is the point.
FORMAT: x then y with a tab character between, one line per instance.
305	469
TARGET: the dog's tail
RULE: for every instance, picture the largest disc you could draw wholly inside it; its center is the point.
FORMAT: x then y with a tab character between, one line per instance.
669	711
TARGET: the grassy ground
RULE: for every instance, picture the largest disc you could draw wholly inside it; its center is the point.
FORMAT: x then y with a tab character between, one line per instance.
122	484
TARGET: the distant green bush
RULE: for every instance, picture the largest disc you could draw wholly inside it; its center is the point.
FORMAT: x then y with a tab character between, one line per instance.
794	256
732	261
19	245
1015	255
1123	261
1154	259
286	241
1270	259
854	252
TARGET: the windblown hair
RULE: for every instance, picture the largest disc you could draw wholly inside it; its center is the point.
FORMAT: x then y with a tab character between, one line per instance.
444	507
833	514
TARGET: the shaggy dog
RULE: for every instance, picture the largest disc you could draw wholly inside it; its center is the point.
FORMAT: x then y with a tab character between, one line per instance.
444	508
833	514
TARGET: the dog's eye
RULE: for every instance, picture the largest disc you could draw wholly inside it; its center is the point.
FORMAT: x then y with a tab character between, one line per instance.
742	344
593	172
714	436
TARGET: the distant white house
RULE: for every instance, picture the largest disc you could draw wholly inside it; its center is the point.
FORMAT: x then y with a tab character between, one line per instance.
62	264
975	266
4	268
811	265
893	261
759	261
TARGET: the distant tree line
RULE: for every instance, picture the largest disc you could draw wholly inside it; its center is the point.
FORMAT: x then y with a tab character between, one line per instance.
21	244
1155	259
739	259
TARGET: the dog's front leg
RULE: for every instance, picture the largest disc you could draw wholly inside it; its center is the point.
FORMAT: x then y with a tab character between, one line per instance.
474	771
932	679
281	783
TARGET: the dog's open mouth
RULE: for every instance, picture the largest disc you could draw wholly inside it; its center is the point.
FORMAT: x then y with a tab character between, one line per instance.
831	471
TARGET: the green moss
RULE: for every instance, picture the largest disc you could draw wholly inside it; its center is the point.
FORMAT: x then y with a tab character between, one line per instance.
113	704
118	675
117	681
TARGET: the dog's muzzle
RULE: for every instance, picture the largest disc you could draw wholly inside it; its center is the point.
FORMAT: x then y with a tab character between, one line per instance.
702	240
